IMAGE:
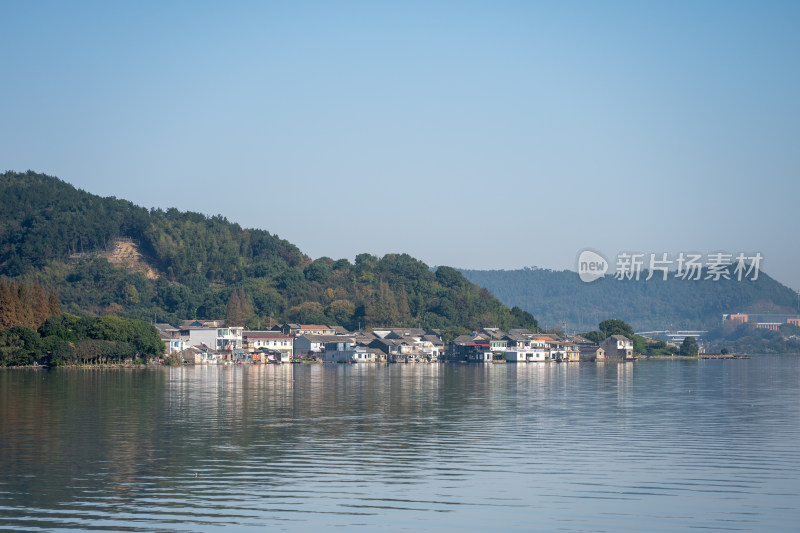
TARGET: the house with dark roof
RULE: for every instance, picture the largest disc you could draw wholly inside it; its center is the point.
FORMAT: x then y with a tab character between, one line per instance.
387	346
581	341
471	348
618	347
315	344
363	338
346	351
591	352
435	340
399	333
305	329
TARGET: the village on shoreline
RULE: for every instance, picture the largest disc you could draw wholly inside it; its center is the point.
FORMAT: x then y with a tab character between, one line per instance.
212	342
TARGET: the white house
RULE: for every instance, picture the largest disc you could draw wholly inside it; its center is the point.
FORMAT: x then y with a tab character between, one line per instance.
255	341
516	356
538	354
225	339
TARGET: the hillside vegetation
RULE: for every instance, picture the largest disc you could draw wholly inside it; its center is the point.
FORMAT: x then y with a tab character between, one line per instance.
554	296
198	266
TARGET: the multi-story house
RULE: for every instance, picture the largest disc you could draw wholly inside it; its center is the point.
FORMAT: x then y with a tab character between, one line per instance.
277	341
618	347
218	337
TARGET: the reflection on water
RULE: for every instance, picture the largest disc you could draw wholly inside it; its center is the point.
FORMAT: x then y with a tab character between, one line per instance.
661	445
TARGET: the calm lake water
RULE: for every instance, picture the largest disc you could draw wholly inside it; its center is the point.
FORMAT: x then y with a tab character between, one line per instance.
651	445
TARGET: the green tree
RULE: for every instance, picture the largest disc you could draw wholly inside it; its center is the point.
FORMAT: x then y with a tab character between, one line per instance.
292	283
365	267
140	335
524	319
689	347
640	345
382	307
450	277
594	336
341	311
67	327
57	351
615	327
19	346
307	313
319	271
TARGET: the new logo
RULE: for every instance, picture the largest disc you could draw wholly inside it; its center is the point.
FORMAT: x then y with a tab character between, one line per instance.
591	266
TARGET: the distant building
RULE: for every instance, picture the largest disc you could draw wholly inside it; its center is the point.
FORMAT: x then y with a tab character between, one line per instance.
212	335
617	347
171	337
538	354
738	318
298	330
389	347
255	341
173	345
470	348
401	333
342	351
760	320
565	352
517	356
309	344
481	357
592	353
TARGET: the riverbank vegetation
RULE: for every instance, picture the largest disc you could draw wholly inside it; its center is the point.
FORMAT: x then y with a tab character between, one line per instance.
69	340
34	331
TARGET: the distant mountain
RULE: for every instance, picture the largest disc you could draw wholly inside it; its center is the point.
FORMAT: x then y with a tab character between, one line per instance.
107	256
556	296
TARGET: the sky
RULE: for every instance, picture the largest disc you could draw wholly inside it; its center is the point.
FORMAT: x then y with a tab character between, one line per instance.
483	135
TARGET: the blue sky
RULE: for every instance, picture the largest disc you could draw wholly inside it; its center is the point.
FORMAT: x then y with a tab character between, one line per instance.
472	134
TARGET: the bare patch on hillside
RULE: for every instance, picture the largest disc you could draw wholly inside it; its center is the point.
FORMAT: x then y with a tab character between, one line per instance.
125	254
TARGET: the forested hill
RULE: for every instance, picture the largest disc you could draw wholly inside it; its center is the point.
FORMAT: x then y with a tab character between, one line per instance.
108	256
554	296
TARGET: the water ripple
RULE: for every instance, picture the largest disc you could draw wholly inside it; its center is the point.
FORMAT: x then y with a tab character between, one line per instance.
662	446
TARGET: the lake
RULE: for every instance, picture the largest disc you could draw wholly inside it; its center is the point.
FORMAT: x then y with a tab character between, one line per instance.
650	445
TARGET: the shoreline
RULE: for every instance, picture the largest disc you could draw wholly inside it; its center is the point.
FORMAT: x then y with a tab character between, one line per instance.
150	365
